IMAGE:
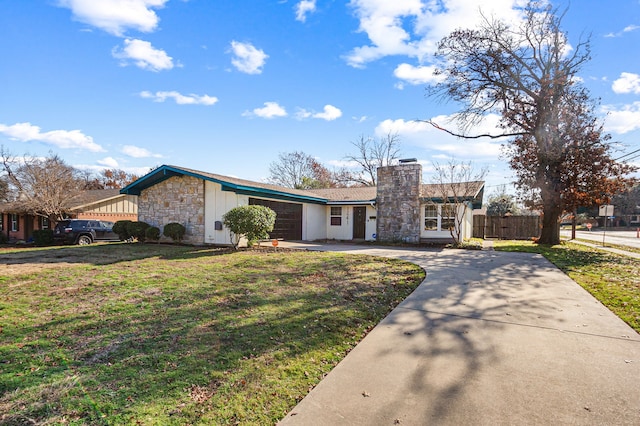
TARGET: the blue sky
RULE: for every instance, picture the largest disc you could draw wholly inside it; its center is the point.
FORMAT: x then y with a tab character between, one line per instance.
225	86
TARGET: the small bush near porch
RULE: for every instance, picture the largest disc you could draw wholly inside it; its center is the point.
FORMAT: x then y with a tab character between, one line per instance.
153	334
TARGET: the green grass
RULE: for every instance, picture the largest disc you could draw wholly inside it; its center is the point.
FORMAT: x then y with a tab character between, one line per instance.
612	279
609	245
123	334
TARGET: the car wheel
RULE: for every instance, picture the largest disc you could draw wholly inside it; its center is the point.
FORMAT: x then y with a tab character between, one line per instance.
84	240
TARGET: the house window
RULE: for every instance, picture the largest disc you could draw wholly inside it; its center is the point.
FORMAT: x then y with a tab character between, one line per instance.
1	221
439	217
13	222
336	216
44	223
431	218
447	221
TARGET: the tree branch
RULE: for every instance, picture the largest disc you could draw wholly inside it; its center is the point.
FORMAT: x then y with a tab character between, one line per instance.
459	135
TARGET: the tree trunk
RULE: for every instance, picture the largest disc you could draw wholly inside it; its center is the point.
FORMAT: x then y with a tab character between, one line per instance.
550	233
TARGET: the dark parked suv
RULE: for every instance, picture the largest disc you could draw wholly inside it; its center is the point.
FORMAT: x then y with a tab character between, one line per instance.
84	231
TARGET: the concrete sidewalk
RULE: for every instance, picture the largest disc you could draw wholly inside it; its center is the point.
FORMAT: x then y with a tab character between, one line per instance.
489	338
605	248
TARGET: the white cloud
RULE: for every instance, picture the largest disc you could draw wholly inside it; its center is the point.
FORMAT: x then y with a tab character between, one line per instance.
143	55
627	29
302	113
627	83
413	27
64	139
247	58
115	16
137	152
622	120
270	110
329	113
109	162
424	135
416	75
179	98
303	8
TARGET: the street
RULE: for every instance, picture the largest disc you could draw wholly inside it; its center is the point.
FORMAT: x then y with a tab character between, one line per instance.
611	236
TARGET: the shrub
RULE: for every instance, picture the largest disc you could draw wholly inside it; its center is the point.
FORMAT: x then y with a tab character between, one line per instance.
152	233
121	228
3	239
137	230
175	231
252	222
43	237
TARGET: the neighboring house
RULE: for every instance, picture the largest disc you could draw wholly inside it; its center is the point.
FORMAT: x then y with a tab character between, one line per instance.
399	209
103	204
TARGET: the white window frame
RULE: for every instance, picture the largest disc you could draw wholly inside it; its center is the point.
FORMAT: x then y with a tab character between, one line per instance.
335	214
439	222
14	222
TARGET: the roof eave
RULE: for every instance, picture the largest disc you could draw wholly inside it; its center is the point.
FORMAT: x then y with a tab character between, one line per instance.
151	179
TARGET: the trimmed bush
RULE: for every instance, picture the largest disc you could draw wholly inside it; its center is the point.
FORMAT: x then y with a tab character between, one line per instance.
152	233
137	230
253	222
121	228
43	237
175	231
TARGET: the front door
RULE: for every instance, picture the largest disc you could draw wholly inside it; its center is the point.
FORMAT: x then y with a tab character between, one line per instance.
359	222
28	226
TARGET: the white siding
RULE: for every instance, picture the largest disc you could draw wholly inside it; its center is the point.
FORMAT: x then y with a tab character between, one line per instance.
217	203
345	230
371	224
314	222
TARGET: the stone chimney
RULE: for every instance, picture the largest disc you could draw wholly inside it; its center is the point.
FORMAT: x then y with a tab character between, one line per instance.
398	202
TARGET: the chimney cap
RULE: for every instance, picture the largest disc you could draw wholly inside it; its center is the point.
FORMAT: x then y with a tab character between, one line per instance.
408	160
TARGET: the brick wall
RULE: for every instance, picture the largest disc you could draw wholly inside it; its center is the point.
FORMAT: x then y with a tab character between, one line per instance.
178	199
398	203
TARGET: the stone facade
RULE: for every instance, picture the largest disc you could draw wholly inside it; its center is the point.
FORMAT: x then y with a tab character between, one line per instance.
178	199
398	203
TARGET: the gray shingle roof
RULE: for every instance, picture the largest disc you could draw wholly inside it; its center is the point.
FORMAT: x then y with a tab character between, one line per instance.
366	193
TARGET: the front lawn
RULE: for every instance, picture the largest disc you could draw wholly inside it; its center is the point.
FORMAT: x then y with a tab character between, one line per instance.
611	278
151	334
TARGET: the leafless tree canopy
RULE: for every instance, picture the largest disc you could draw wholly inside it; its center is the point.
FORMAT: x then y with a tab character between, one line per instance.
452	183
41	187
301	171
373	153
528	75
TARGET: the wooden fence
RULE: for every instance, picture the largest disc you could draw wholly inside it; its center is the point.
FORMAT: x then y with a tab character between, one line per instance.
506	228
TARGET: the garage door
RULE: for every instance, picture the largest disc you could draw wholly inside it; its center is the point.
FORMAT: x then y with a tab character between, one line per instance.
288	218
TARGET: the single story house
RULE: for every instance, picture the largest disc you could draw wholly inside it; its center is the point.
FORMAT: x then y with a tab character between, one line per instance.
400	208
103	204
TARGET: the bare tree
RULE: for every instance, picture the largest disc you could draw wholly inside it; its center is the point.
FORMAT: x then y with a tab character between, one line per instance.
4	189
373	153
301	171
529	75
500	203
41	187
454	185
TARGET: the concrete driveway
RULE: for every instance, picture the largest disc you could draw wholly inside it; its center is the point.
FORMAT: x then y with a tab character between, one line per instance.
488	338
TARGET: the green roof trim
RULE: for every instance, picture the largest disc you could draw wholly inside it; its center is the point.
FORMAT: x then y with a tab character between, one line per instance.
165	172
